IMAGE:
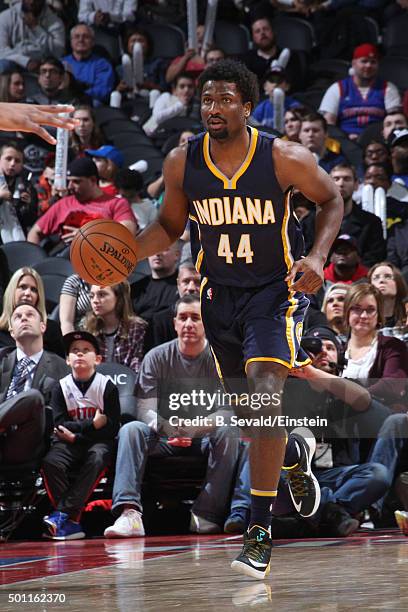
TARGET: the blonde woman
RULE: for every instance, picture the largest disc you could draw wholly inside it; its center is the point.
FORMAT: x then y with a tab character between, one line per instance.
119	331
26	286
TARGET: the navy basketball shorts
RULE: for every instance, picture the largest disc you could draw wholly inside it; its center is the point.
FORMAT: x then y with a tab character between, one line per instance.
244	325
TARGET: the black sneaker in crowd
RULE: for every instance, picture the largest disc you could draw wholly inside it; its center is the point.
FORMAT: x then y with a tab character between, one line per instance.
254	560
337	522
304	488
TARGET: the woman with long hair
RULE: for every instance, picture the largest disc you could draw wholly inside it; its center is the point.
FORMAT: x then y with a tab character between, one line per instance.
26	286
379	362
112	320
389	281
12	87
87	134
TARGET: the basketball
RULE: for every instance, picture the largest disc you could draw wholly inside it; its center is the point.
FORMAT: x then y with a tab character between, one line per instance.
103	252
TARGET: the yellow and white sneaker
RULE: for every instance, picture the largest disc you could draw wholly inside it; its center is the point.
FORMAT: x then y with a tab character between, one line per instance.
128	525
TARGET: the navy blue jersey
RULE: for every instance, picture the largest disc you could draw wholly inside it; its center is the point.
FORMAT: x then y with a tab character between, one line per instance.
243	230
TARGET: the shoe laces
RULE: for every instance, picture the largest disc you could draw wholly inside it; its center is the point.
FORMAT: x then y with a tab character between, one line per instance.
256	550
299	483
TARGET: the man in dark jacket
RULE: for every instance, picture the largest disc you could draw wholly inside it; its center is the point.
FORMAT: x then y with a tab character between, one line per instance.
365	227
27	377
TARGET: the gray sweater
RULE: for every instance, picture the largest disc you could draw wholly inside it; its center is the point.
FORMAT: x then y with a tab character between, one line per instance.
20	44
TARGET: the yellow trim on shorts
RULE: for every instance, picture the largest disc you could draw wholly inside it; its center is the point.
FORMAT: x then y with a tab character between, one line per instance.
232	182
289	467
274	359
290	324
259	493
200	255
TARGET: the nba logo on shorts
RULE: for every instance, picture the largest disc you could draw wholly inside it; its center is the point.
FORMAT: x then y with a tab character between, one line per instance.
209	294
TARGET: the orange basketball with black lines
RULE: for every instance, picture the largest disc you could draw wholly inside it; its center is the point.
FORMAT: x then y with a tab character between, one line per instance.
103	252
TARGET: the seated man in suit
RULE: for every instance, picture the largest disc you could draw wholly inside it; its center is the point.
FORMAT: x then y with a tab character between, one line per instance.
27	376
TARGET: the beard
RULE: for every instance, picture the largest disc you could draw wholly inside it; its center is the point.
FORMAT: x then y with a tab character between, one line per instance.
218	134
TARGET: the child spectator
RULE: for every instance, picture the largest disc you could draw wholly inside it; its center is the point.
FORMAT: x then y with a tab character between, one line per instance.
108	160
87	418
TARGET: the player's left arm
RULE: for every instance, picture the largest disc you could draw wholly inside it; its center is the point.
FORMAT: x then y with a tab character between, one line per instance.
296	167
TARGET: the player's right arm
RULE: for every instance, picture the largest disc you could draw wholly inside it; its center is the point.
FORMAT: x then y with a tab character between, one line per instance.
173	215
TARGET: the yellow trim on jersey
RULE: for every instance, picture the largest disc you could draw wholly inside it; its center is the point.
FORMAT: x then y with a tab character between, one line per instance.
232	182
275	359
289	467
290	324
259	493
200	254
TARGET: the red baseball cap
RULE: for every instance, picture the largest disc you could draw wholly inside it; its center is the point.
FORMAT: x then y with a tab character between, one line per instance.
366	50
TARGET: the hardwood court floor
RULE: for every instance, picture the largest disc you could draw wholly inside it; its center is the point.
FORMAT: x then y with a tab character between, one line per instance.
367	572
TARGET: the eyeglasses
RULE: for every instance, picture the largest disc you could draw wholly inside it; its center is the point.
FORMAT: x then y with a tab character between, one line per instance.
357	310
49	71
386	276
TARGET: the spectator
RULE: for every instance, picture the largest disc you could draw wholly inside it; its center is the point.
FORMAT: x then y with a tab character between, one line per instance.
180	103
380	363
376	152
184	359
161	327
259	59
129	184
46	192
74	303
18	198
380	175
393	288
108	161
106	14
398	141
86	135
264	111
51	84
313	135
29	30
87	419
333	308
119	332
154	68
293	123
397	247
88	67
85	202
26	286
347	488
191	62
213	55
12	87
345	262
153	294
361	99
27	377
363	226
393	121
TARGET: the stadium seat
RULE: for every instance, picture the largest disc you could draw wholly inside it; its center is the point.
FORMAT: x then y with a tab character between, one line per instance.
310	98
395	40
22	253
168	40
395	69
294	33
351	150
142	269
124	378
52	288
371	132
326	71
103	114
232	38
54	265
108	46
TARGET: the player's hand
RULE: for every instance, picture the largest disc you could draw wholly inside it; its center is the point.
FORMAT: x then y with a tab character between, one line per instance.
312	275
64	434
30	117
99	419
69	233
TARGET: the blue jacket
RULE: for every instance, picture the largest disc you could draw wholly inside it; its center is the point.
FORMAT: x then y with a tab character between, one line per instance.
96	72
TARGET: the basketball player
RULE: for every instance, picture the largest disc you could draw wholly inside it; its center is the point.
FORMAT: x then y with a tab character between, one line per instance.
235	183
30	118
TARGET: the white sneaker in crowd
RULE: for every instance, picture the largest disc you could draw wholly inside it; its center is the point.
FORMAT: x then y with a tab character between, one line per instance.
128	525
